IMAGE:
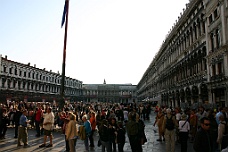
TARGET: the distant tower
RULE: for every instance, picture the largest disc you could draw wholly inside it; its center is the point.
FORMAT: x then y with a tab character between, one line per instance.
104	82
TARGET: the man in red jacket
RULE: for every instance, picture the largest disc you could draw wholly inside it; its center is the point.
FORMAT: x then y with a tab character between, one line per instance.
38	117
92	121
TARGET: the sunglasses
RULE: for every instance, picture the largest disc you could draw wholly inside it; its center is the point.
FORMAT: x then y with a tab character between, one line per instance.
207	124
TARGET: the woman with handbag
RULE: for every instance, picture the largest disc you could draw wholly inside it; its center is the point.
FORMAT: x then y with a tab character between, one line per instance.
184	128
72	132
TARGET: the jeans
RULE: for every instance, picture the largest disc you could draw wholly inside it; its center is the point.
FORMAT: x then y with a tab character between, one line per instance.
120	147
106	145
91	140
86	142
37	123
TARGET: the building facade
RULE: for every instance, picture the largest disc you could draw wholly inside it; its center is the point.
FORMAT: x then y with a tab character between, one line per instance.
23	82
191	66
114	93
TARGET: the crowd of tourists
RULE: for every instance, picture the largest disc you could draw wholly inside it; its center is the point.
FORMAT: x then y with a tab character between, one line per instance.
207	129
78	120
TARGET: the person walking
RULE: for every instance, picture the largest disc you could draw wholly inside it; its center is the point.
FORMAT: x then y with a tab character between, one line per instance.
38	116
184	128
88	129
132	129
120	136
202	142
169	125
17	121
72	132
159	121
113	129
5	121
92	121
104	133
221	133
193	125
48	125
22	130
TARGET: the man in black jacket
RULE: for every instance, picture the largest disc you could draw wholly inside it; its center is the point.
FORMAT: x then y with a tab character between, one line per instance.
203	141
16	118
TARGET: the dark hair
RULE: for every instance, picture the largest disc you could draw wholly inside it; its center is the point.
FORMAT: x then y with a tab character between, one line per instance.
133	116
204	118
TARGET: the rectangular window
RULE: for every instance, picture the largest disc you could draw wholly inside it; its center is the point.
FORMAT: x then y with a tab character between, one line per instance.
219	68
215	14
213	70
210	19
10	70
212	41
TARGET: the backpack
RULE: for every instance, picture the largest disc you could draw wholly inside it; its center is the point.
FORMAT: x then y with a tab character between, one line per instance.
132	128
169	123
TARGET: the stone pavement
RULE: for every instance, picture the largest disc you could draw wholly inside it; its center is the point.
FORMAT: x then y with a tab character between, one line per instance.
10	144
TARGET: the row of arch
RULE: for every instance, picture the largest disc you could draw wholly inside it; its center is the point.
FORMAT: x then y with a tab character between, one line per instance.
190	94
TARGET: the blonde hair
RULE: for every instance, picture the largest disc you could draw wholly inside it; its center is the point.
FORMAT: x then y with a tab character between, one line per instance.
72	116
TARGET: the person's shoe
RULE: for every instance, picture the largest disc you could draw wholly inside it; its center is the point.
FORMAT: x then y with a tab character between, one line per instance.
26	145
49	145
19	145
43	145
159	139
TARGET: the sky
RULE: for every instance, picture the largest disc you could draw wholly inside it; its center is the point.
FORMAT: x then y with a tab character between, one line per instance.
111	40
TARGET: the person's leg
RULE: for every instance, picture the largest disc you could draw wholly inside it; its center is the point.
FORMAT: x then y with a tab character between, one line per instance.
120	147
71	145
108	146
133	143
167	140
186	141
114	145
86	142
45	139
24	132
51	137
4	131
67	144
103	146
91	139
172	140
37	125
19	136
16	131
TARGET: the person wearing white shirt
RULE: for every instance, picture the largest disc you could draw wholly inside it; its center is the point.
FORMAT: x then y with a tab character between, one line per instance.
48	125
184	128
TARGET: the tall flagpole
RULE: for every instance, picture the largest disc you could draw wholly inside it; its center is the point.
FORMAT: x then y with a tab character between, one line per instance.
62	91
